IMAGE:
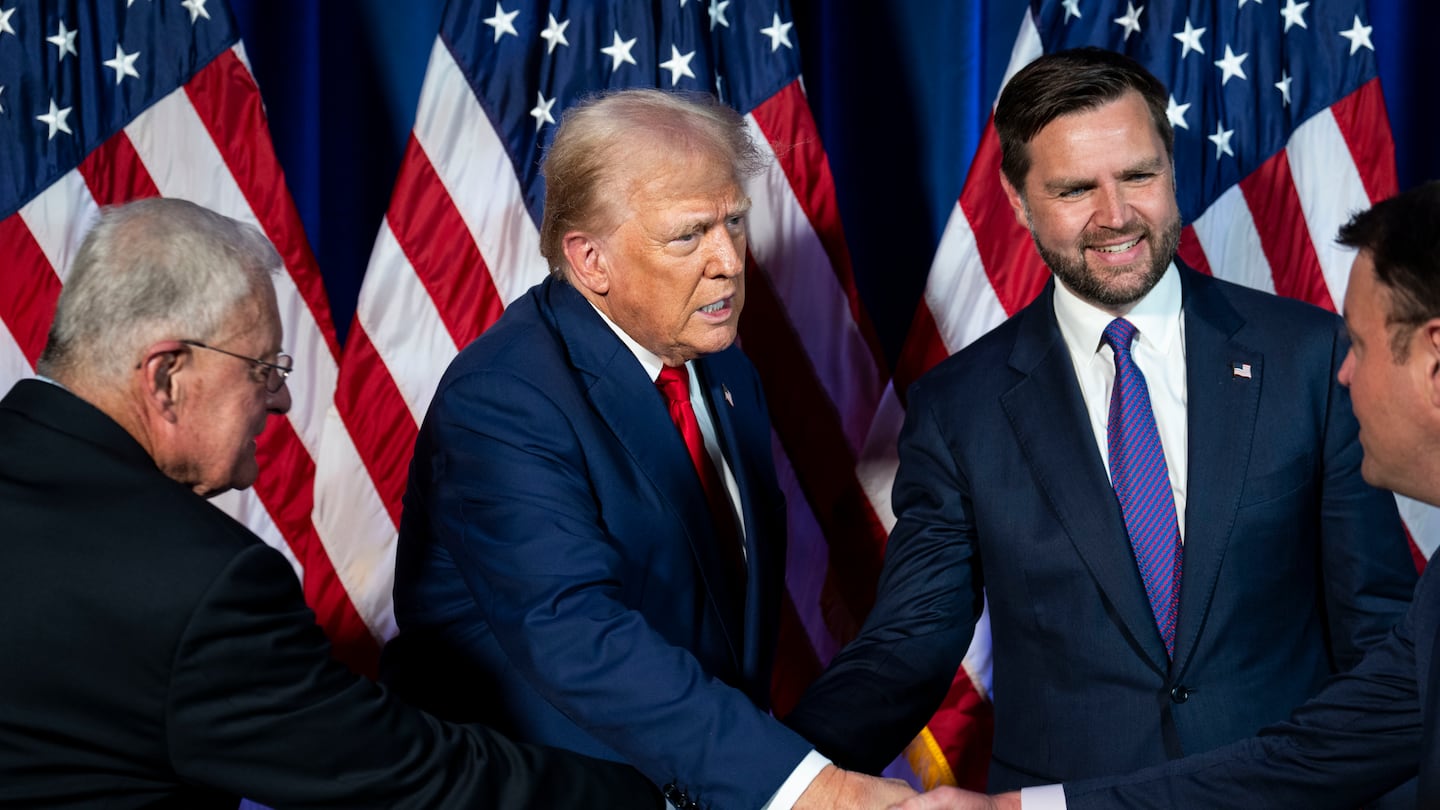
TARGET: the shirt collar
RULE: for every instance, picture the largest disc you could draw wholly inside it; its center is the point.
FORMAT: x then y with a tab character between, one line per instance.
1156	316
649	360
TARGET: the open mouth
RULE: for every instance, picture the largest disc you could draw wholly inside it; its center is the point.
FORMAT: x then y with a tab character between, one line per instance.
711	309
1120	248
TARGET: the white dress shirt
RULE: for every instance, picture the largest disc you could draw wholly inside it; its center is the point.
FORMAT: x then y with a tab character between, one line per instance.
1159	351
813	762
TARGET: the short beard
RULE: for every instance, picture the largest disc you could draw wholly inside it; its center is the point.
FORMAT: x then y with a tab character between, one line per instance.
1076	275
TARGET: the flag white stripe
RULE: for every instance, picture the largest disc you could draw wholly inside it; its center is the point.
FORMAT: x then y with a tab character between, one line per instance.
1330	191
13	363
355	528
59	217
1231	243
958	293
807	557
470	159
404	325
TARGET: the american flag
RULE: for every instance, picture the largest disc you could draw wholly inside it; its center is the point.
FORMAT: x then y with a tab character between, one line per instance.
1281	134
104	102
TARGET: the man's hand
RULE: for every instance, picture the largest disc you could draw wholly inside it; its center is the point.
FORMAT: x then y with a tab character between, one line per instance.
949	798
836	789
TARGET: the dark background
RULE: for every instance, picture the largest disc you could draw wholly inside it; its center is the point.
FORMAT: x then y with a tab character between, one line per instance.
901	90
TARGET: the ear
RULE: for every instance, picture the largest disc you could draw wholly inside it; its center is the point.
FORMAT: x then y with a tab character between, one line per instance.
158	378
1427	345
588	266
1017	201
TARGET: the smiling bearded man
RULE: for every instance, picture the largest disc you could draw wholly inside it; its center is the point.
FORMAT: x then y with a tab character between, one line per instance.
1152	474
593	542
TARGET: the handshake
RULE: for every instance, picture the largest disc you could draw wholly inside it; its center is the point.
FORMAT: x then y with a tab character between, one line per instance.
836	789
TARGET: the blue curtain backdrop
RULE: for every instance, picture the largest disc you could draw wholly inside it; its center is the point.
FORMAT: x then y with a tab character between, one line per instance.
901	91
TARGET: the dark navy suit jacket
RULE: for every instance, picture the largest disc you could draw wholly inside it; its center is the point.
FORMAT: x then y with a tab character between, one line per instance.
1292	564
1365	732
558	572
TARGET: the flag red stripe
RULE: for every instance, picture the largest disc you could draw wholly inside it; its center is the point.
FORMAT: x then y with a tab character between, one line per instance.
963	726
1365	125
923	349
1191	252
115	173
1274	203
228	103
788	125
438	245
1016	272
29	288
811	433
286	463
377	418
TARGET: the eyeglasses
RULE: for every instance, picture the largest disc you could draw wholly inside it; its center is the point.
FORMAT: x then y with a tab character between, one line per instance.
275	373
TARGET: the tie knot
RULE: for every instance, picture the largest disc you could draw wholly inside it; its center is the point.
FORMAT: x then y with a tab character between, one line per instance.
1120	334
674	383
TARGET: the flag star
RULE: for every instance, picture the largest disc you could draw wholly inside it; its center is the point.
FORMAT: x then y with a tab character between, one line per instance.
55	119
717	13
1131	21
1359	36
1230	66
123	64
1190	39
2	92
1072	9
1242	3
1176	113
619	50
1284	87
65	41
503	21
197	9
541	112
719	88
678	65
1294	14
554	33
1221	139
5	15
779	33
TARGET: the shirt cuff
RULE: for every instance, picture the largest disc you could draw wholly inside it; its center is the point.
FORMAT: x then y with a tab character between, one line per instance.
798	780
1045	797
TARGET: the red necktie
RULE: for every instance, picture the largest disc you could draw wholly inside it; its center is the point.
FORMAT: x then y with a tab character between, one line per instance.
674	385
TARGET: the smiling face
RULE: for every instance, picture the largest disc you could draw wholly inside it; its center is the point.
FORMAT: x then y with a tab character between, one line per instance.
1099	200
671	274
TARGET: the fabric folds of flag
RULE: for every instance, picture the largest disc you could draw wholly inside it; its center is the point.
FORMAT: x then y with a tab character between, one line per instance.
1281	134
108	102
460	240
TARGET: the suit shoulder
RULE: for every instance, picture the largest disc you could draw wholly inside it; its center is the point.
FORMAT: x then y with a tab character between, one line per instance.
1271	310
979	365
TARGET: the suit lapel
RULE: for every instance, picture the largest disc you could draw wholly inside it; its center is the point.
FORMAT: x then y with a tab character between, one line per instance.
1221	411
626	399
1047	413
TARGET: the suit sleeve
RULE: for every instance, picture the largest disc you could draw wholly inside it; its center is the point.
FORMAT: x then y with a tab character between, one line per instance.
514	505
1368	572
1359	737
880	690
258	708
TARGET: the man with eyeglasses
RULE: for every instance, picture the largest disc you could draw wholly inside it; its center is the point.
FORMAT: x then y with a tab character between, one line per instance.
154	652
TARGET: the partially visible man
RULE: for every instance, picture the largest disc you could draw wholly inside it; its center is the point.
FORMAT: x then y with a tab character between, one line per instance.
1378	725
156	653
593	540
1151	473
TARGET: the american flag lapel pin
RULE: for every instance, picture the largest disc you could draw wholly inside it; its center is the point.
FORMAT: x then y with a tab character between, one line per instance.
1241	370
729	400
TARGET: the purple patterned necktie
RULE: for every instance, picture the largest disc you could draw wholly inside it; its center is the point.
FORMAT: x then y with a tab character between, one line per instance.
1142	484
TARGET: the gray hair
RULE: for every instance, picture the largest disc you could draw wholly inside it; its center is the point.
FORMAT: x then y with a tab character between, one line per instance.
588	164
152	270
